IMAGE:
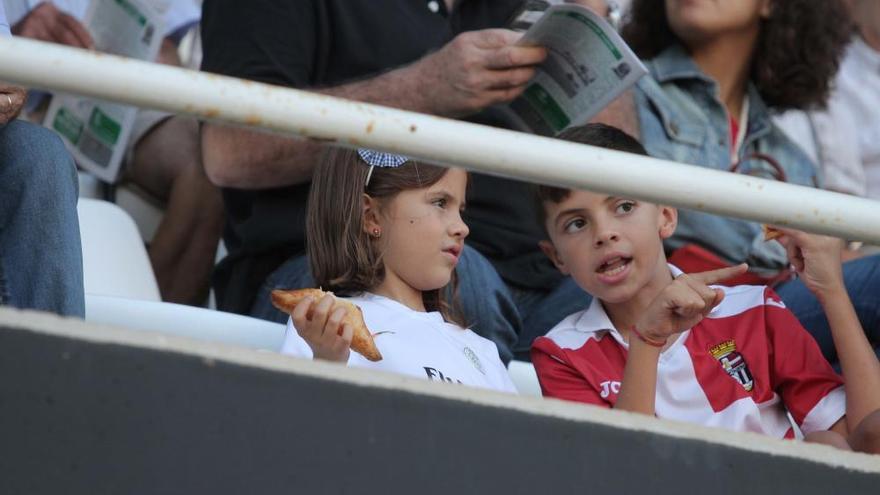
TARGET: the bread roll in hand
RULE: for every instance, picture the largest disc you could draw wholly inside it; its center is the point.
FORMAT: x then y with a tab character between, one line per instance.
362	340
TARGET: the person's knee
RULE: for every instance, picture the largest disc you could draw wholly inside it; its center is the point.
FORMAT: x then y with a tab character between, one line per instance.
37	155
866	436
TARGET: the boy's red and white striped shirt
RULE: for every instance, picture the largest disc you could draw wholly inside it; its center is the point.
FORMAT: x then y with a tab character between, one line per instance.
740	368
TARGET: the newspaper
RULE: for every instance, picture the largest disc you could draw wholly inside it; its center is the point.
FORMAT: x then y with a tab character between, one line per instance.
588	65
96	132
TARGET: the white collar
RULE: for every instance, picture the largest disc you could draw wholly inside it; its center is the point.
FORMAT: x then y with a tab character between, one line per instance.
398	306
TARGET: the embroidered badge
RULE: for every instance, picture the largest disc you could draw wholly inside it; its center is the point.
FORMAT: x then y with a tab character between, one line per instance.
733	363
472	357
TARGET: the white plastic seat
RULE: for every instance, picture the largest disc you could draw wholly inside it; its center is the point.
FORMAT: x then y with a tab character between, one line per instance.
115	262
185	321
524	378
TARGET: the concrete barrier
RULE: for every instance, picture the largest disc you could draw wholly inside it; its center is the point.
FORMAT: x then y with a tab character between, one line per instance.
89	409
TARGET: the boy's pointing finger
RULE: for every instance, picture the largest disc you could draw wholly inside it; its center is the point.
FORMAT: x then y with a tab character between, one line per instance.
716	276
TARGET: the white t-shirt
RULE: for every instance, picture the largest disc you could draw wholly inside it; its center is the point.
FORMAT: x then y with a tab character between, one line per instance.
421	345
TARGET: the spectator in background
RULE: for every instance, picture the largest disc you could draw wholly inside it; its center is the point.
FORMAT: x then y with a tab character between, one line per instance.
436	57
163	157
40	252
845	139
716	70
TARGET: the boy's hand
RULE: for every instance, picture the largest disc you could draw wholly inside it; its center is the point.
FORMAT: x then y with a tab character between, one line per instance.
684	303
816	259
321	327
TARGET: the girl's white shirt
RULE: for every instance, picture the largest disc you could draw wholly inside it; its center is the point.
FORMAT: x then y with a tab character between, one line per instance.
419	344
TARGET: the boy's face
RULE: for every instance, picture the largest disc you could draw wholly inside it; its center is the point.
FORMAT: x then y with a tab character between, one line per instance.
611	246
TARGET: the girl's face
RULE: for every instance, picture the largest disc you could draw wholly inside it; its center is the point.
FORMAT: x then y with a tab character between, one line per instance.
700	21
423	233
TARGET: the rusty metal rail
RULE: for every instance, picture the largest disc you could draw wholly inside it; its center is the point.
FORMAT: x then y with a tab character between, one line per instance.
475	147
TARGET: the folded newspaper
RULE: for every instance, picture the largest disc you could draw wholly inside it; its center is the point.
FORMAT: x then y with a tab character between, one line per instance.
588	65
96	132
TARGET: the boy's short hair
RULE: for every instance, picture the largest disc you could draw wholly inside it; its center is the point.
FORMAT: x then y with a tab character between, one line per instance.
601	135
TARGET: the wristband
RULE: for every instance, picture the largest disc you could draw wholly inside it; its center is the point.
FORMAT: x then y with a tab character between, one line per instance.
650	342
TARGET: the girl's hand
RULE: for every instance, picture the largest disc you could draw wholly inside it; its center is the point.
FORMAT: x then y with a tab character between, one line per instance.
816	259
320	325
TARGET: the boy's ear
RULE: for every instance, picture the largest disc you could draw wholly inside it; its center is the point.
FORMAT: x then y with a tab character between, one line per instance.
667	221
550	250
371	214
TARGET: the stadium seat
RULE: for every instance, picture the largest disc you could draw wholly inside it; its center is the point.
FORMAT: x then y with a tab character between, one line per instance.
115	262
524	377
185	321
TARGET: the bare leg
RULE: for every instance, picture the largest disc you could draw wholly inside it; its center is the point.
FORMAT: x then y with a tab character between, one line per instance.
831	438
168	164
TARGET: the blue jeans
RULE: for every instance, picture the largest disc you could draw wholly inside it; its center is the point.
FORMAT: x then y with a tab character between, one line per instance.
862	278
40	250
511	318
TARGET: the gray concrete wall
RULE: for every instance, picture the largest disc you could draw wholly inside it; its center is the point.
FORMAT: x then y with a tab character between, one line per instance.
93	410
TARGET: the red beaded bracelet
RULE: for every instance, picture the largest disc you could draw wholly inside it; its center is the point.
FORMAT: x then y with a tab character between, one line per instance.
646	340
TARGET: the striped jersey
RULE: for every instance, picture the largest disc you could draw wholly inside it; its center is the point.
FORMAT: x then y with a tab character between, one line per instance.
740	368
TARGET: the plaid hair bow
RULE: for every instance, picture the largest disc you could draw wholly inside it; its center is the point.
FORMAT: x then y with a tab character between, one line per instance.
380	159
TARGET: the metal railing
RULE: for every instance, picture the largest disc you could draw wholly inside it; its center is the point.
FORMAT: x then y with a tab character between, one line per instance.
475	147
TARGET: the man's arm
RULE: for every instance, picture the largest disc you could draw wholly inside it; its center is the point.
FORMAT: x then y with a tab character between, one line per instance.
475	70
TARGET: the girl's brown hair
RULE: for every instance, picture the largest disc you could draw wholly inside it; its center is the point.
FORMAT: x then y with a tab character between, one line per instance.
797	54
343	257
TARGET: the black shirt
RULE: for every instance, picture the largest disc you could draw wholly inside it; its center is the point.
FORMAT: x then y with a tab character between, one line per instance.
315	43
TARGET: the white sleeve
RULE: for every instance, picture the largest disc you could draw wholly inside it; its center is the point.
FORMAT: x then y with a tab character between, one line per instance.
294	344
181	13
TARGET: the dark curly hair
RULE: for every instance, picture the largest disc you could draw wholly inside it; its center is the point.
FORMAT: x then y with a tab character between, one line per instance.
797	54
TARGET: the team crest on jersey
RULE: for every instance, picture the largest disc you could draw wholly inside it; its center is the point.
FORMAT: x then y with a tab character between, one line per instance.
733	363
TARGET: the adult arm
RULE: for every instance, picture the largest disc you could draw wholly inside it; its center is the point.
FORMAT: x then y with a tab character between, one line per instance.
475	70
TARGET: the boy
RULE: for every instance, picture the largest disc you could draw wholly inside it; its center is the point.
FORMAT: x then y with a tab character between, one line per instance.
660	342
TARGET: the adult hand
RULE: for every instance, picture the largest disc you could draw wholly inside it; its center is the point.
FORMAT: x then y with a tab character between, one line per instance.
46	23
320	325
816	258
475	70
12	100
684	303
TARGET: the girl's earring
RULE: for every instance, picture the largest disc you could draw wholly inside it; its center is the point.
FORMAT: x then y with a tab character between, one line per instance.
377	233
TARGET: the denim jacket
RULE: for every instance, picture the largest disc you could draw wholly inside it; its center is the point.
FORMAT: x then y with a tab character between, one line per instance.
683	120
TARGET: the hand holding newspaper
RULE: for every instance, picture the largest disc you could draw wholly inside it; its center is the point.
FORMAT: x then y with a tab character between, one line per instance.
96	132
588	65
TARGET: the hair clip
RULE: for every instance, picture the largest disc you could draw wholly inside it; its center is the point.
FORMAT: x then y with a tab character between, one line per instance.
380	159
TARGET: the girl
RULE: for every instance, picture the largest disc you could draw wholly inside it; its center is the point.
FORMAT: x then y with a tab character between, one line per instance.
386	232
717	69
